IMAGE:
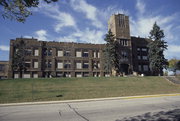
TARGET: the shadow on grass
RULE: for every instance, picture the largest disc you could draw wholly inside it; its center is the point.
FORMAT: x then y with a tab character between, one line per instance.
172	115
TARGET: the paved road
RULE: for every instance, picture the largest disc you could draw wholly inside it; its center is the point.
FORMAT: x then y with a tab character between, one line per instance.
108	110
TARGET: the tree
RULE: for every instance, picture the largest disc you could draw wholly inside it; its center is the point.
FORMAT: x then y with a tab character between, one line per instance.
174	65
156	50
18	63
19	9
110	53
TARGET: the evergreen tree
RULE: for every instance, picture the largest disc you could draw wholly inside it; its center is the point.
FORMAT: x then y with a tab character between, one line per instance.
19	9
109	52
156	50
18	63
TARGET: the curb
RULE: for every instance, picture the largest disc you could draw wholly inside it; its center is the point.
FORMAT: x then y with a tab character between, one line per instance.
88	100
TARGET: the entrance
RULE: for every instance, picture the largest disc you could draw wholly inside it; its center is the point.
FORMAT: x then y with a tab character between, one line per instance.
124	68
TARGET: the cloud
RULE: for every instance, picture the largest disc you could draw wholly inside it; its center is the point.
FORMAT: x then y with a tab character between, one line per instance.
41	35
142	25
173	51
4	48
63	19
85	36
89	10
140	6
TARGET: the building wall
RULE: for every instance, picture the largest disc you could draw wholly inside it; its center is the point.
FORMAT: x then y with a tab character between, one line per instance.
62	59
49	61
4	65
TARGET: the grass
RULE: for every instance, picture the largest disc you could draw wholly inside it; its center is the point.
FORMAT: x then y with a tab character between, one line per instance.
25	90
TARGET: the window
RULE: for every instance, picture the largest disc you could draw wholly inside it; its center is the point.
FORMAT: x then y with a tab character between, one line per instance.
78	65
36	52
47	52
96	65
78	54
85	65
85	54
94	54
28	52
96	74
35	64
139	67
145	67
138	49
144	49
124	42
85	74
124	54
67	64
26	75
144	57
16	75
106	74
48	64
27	63
59	74
78	74
60	53
60	65
98	54
139	57
35	75
67	53
2	67
67	74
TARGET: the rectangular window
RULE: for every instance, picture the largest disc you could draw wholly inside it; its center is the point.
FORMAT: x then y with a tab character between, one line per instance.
35	64
98	65
85	74
144	49
78	74
139	68
59	74
78	54
94	54
67	64
26	75
36	52
67	53
98	54
47	52
85	65
60	65
67	74
138	49
28	52
139	57
2	67
78	65
145	67
144	57
48	64
60	53
35	75
16	75
85	54
28	64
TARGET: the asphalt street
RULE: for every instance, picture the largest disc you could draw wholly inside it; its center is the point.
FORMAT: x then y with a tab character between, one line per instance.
106	110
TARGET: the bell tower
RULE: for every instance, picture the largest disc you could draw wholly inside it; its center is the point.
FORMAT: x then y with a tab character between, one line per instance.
119	26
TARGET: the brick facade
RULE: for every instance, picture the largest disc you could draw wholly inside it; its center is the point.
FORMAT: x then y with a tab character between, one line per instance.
63	59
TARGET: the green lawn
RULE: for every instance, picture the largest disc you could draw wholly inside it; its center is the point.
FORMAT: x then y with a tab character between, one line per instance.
23	90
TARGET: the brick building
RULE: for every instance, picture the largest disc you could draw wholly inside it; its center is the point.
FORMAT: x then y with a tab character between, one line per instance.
4	65
62	59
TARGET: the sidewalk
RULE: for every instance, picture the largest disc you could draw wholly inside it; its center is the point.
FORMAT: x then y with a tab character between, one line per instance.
88	100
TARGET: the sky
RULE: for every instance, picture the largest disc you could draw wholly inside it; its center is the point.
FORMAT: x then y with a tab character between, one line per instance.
85	21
